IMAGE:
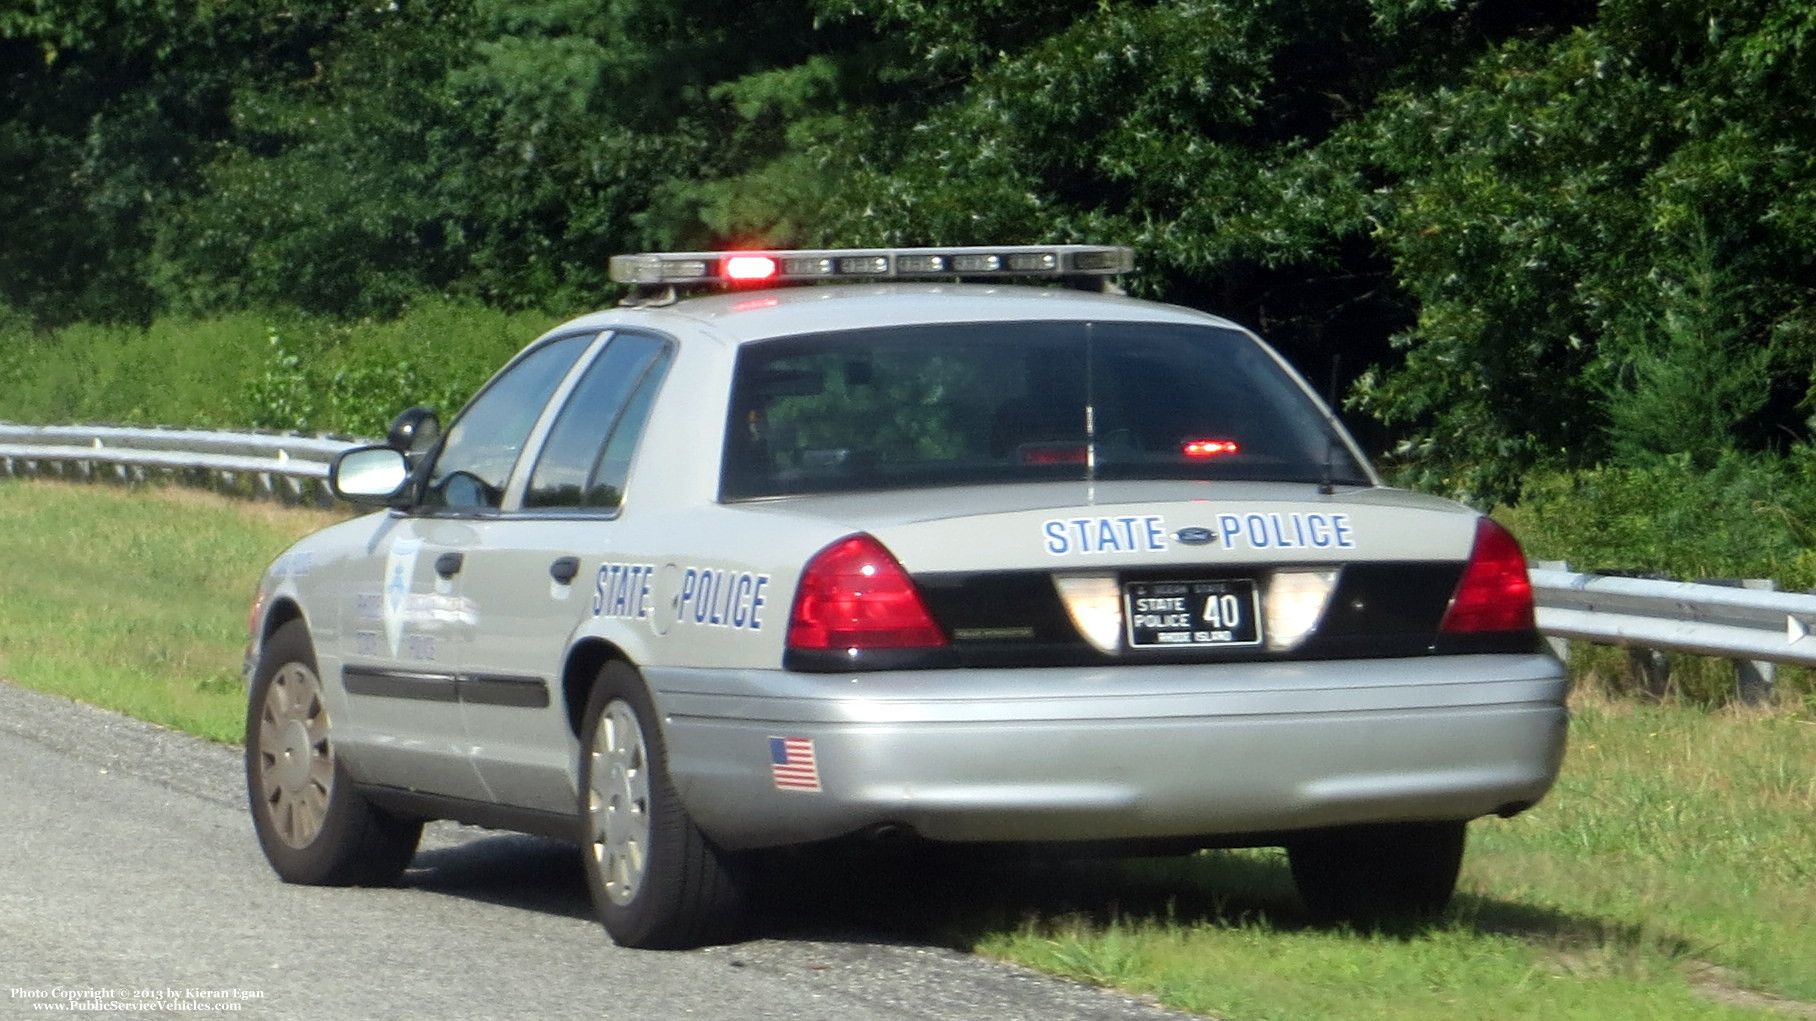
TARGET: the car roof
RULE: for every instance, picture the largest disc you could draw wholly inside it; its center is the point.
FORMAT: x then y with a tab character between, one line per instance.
752	315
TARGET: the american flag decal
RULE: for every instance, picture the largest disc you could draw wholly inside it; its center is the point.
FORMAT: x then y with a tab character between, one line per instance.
792	764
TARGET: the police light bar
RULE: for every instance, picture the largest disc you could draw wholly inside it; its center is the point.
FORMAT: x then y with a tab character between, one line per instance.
801	265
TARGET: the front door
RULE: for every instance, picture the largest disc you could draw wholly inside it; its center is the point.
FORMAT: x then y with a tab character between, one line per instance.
400	659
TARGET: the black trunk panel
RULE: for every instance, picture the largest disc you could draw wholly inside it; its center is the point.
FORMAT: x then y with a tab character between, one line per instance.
1016	619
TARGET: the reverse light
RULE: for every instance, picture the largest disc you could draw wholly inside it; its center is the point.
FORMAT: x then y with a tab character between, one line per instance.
1094	602
855	595
1295	599
1495	593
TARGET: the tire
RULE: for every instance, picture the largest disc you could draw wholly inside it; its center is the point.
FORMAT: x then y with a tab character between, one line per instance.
313	825
1377	873
656	881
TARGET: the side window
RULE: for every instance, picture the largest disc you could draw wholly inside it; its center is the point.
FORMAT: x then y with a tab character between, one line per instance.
587	457
482	446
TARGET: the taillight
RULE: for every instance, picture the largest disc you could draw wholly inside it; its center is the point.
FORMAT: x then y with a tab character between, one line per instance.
855	595
1495	593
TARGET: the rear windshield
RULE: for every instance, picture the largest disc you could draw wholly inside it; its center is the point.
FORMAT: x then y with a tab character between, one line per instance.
931	405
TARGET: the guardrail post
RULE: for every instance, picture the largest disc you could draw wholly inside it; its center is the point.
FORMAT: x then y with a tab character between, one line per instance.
1755	681
1560	647
1650	671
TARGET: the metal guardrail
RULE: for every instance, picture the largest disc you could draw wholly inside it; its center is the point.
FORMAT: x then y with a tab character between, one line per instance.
285	466
1755	628
1714	620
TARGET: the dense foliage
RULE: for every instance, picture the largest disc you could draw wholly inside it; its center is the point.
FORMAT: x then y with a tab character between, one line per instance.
1549	235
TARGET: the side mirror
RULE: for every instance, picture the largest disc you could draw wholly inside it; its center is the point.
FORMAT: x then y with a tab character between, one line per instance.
369	475
414	431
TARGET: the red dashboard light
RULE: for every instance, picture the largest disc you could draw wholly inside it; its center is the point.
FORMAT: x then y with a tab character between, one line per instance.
749	267
1053	453
1209	448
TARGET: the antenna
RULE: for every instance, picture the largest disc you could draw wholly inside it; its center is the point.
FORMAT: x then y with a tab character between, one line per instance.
1090	415
1328	485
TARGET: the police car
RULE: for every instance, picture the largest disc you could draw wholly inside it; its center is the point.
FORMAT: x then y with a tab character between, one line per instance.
956	546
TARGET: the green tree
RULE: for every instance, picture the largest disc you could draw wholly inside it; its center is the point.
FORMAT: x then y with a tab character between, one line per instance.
107	112
1541	212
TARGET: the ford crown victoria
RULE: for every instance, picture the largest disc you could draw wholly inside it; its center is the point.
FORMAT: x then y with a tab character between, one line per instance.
910	542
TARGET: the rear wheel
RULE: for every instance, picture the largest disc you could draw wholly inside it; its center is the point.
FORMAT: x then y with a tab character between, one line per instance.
1380	872
656	881
313	826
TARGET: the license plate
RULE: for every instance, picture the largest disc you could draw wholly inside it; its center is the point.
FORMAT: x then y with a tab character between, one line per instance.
1191	614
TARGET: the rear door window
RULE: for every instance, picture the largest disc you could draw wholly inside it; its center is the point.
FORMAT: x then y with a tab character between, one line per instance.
587	457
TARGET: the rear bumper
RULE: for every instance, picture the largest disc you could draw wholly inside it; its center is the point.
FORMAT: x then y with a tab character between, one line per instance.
1115	754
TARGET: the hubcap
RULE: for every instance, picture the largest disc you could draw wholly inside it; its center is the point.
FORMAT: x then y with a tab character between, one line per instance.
296	762
618	802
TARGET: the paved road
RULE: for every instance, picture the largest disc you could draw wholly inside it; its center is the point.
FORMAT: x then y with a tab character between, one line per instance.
128	870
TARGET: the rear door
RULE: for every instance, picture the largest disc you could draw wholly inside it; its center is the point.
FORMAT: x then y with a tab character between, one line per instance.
554	560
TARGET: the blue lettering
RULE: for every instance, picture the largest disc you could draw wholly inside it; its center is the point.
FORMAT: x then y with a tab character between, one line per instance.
740	613
728	588
703	604
621	593
1257	531
719	598
622	590
1318	530
1081	527
1127	534
756	602
1229	526
1156	532
1279	531
1275	530
1106	536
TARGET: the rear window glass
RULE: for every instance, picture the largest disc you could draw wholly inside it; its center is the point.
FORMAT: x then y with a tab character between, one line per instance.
932	405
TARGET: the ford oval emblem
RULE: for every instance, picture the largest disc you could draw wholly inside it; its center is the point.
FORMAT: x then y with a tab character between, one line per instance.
1195	536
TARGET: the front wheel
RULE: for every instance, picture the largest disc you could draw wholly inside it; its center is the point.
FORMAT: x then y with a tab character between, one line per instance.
313	826
1369	874
656	881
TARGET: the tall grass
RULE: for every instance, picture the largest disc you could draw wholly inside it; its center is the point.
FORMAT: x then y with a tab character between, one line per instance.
136	600
279	370
175	372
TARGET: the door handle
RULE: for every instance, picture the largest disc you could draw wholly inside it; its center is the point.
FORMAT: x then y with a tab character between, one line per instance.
448	564
564	569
